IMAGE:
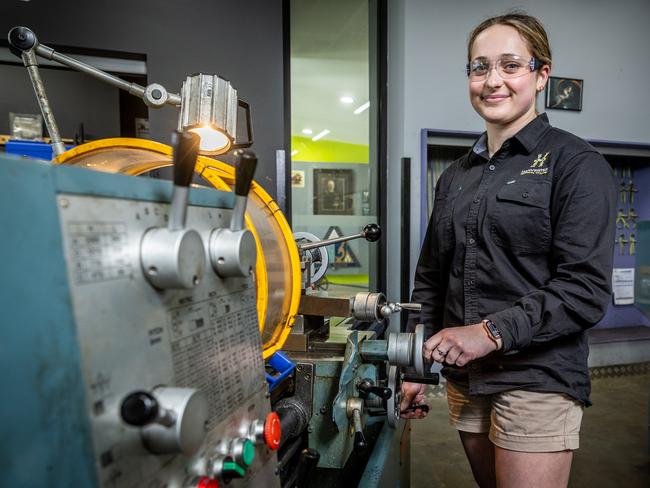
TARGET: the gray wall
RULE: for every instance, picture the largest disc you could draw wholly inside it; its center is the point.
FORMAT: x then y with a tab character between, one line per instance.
603	42
75	98
238	40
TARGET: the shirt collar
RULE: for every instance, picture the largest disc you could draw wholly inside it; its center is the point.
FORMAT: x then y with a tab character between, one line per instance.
528	137
480	146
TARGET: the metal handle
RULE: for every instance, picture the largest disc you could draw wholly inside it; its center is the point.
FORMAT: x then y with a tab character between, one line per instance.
249	126
413	307
360	442
25	39
371	233
23	43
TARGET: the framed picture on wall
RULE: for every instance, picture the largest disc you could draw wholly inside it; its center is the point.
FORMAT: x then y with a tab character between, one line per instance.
333	192
564	93
297	178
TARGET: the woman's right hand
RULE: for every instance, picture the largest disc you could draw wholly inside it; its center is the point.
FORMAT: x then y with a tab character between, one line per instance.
412	394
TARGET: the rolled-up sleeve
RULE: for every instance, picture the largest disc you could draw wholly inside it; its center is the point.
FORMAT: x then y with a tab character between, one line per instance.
583	208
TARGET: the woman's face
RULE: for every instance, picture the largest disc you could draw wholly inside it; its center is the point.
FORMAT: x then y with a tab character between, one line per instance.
499	101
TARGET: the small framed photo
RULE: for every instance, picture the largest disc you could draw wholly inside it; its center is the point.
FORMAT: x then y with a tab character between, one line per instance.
333	192
297	178
564	93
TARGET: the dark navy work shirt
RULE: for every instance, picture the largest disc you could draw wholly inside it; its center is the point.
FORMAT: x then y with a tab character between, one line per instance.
524	238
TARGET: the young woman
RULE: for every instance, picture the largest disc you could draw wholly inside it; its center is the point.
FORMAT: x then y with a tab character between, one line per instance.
515	266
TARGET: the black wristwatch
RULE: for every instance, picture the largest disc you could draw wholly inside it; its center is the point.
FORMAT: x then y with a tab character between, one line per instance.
493	333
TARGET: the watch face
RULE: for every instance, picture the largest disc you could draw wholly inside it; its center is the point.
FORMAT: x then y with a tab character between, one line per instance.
493	329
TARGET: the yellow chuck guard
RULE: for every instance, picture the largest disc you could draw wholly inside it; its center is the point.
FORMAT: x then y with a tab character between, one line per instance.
277	272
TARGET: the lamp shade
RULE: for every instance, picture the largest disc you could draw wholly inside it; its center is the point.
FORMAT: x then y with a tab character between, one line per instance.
209	108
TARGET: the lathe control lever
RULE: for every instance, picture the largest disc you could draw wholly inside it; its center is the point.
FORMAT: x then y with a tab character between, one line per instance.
366	387
141	408
233	251
172	419
173	257
354	407
371	233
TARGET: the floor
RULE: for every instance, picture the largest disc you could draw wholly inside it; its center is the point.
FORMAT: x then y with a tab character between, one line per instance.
614	448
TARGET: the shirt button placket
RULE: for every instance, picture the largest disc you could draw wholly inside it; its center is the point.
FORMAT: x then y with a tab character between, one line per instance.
471	249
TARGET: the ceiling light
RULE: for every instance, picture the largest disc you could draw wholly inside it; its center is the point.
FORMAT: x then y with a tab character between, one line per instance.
294	152
307	132
347	100
320	135
361	108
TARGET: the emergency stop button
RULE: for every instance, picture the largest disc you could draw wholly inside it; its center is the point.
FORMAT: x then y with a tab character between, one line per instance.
272	431
205	482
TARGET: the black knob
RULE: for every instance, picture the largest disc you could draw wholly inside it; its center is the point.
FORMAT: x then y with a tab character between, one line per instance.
245	164
360	442
372	232
186	149
139	408
366	387
416	406
22	39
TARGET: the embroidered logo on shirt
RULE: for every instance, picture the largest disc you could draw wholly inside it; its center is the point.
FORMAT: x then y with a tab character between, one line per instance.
537	166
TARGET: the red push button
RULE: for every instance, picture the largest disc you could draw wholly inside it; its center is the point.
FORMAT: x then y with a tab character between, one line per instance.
272	431
206	482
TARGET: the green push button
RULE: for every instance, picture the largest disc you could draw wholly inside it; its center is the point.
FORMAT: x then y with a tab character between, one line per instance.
233	470
248	453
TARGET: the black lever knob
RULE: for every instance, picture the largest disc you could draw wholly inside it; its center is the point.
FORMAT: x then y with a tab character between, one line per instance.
308	461
22	39
139	408
245	164
360	443
186	149
354	410
366	387
372	232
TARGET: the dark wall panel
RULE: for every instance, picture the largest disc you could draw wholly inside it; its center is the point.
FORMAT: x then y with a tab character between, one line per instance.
75	98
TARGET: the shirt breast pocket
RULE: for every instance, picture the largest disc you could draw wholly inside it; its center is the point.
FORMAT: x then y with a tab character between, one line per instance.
521	220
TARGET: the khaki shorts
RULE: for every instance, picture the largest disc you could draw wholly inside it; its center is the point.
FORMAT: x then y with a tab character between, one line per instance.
518	420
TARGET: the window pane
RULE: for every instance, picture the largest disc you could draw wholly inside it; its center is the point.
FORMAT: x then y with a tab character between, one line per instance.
333	177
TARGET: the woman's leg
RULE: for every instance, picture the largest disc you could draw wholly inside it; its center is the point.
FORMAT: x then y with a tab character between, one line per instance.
480	453
532	469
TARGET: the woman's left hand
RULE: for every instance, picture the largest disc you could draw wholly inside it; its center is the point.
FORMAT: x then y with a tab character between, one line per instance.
459	345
